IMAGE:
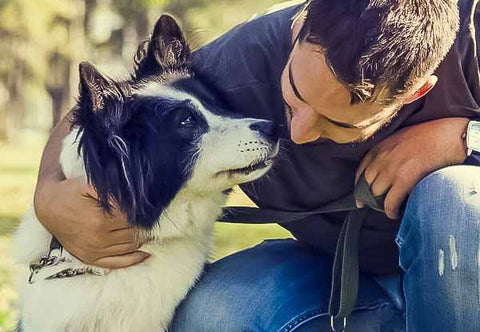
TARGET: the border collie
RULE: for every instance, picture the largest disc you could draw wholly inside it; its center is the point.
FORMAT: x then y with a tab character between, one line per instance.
156	146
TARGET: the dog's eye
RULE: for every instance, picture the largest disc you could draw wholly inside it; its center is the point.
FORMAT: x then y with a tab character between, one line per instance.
188	121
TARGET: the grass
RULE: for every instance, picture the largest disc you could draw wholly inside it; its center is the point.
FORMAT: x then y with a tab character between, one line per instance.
7	290
18	172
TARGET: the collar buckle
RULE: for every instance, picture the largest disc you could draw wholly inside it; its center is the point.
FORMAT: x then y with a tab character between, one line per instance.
53	257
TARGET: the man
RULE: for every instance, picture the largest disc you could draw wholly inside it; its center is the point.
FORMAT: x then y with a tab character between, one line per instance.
354	76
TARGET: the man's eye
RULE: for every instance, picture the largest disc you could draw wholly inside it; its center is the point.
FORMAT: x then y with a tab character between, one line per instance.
188	121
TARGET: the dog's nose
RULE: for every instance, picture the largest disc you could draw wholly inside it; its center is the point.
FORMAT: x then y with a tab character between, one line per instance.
267	129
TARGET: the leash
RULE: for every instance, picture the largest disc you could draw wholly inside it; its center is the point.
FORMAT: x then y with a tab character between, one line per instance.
345	272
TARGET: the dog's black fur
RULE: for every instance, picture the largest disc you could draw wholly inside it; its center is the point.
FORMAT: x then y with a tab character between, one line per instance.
133	145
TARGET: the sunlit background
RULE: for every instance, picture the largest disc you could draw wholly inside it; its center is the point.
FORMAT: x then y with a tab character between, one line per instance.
41	44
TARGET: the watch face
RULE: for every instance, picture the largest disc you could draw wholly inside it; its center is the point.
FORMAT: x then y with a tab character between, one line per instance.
473	136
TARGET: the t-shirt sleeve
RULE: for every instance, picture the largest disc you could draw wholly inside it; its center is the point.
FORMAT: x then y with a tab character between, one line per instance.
243	55
244	65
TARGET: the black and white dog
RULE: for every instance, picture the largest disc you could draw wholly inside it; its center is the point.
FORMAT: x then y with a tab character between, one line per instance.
156	146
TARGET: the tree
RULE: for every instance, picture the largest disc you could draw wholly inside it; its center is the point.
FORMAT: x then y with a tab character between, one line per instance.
43	41
35	39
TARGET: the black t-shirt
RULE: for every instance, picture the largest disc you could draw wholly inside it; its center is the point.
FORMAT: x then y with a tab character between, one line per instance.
246	64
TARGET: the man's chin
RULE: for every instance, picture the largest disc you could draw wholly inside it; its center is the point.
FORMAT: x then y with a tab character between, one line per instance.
318	140
322	139
304	139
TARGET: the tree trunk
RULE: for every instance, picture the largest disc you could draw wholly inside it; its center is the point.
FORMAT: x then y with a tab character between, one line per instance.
59	85
13	117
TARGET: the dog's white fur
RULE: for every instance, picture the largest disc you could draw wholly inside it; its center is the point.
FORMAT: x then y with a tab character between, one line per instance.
142	297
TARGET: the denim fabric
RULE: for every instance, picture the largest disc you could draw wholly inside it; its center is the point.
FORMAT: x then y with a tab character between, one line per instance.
283	285
439	244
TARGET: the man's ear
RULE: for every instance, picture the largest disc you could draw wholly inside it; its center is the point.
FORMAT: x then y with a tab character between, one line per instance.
166	50
426	88
93	86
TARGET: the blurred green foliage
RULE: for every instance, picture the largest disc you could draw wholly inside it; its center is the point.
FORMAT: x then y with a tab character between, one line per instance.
43	41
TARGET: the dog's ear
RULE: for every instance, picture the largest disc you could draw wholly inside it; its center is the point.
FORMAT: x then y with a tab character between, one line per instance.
168	44
94	87
167	49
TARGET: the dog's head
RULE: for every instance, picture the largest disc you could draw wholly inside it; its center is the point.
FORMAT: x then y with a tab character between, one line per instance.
144	139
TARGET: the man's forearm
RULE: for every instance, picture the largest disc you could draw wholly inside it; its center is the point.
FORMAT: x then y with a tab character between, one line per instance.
50	169
50	166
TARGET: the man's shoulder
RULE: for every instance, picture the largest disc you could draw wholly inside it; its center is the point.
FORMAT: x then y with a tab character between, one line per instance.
253	48
468	10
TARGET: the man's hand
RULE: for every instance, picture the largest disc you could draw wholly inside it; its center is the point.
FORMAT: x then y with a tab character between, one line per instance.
398	163
69	211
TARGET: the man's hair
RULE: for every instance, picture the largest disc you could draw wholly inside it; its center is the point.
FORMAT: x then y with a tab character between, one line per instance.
381	45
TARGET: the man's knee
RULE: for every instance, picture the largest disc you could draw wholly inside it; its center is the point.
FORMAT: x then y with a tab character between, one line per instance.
442	209
234	294
206	310
447	198
438	244
257	289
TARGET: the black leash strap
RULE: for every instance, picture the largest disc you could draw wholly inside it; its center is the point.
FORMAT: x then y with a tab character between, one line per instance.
55	244
345	267
345	272
249	215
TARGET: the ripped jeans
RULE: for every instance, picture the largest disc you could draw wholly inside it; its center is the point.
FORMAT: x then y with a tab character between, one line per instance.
282	285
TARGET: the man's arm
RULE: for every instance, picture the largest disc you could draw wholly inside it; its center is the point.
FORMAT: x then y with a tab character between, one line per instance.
66	209
50	169
398	163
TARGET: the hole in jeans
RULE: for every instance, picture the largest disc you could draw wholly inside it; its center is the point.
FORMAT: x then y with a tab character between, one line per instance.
441	262
453	252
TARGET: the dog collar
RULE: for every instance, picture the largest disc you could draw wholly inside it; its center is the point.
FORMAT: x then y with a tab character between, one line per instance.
53	258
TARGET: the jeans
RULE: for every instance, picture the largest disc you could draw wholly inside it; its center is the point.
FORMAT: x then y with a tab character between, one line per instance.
282	285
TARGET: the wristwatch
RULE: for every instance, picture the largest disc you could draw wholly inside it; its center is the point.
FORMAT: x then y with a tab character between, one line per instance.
472	137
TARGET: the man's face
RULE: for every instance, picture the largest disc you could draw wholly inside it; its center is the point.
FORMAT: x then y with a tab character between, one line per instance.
318	105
